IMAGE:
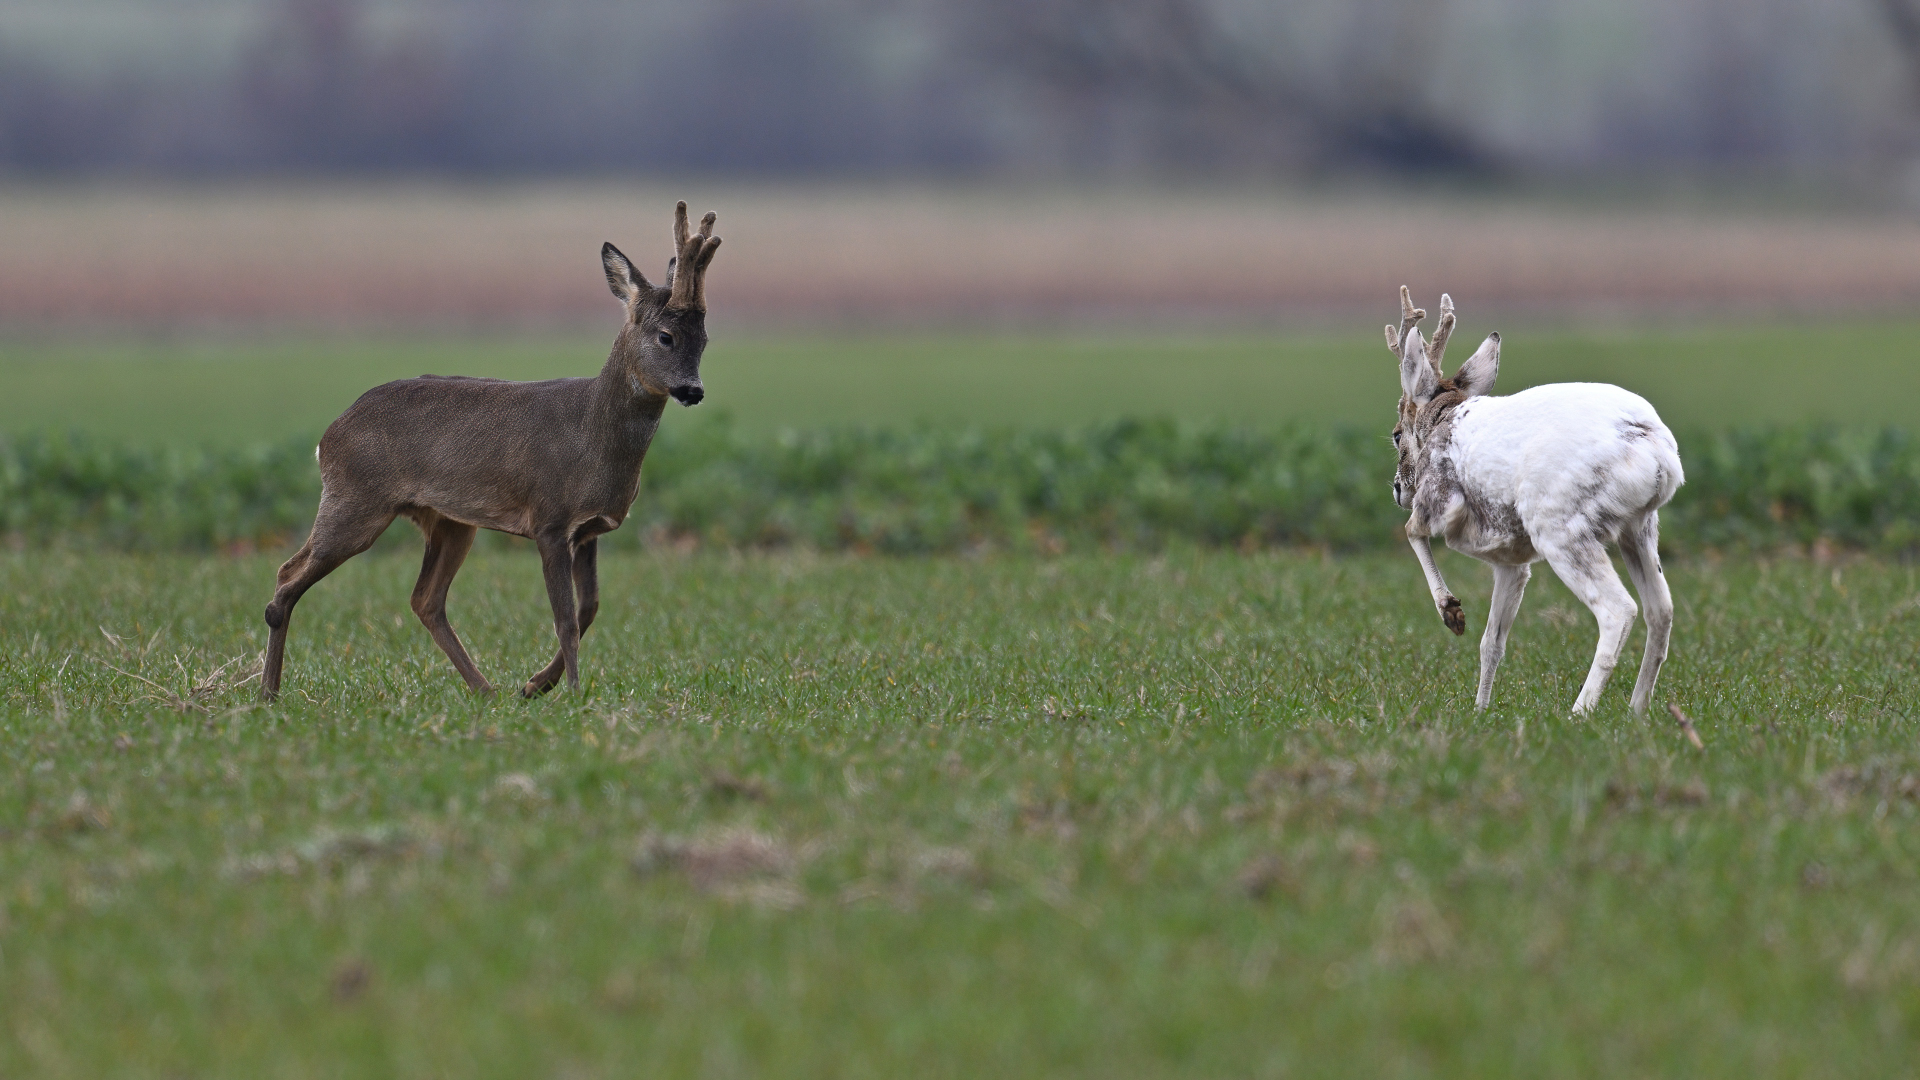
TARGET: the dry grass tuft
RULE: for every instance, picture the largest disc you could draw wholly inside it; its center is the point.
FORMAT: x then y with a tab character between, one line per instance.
947	862
516	787
1316	776
84	815
197	692
739	863
1264	876
1882	780
350	979
1413	931
1686	727
328	849
1052	818
1631	796
727	785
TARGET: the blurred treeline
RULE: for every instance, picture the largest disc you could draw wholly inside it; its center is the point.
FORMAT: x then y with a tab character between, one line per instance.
955	87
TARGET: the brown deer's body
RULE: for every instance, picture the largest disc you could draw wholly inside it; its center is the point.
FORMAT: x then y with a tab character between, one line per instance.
556	461
429	442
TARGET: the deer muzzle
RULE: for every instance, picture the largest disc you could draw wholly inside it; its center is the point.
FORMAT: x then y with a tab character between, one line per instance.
688	393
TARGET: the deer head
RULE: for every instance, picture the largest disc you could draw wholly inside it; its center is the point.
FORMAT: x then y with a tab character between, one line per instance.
1425	392
666	327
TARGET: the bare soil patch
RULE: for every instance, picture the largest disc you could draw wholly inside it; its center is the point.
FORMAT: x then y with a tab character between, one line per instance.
384	254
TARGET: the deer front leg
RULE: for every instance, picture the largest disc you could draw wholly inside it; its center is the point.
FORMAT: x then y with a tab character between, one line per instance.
556	564
586	581
1443	598
1509	585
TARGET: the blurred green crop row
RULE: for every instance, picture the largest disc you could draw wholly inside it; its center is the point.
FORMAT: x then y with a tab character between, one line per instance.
1124	485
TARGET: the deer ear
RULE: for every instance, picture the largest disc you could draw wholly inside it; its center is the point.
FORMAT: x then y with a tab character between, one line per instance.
1417	379
1476	376
623	277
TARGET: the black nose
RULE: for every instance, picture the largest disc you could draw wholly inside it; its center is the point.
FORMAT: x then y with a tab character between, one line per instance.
688	395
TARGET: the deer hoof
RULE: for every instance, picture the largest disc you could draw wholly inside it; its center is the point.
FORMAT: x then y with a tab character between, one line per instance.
1453	615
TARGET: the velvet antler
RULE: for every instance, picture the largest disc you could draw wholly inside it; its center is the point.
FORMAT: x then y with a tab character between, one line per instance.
692	251
1409	315
1441	333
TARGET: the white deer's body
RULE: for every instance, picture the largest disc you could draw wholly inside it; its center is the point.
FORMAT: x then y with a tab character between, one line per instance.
1556	472
1553	462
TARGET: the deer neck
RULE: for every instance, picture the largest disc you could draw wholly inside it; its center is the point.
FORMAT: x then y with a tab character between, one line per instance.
626	412
1434	426
1436	417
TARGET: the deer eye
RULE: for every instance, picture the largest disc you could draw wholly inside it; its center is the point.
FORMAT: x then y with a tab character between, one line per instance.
665	339
1396	438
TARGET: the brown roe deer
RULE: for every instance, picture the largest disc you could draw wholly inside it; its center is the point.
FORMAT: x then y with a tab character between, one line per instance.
556	461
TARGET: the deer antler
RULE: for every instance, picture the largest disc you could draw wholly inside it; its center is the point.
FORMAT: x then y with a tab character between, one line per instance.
679	228
1409	315
694	251
1441	333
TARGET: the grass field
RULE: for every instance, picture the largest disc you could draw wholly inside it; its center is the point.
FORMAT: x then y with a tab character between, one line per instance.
1197	815
241	392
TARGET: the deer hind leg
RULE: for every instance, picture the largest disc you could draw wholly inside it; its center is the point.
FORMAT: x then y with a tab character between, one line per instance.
341	530
556	564
1640	550
448	542
1509	585
1584	567
586	581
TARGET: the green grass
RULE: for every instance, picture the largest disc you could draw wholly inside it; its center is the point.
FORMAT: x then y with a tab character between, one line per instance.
1186	814
237	392
1197	815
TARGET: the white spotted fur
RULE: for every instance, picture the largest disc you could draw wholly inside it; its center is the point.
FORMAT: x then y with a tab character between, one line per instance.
1556	473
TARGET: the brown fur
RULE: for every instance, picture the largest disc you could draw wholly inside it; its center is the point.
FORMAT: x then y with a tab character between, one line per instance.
555	461
1424	418
1423	431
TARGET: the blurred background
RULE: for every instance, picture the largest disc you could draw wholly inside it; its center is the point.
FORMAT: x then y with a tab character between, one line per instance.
220	220
1822	90
329	162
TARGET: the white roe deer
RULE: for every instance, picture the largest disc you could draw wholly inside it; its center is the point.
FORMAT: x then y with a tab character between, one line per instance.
1556	473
